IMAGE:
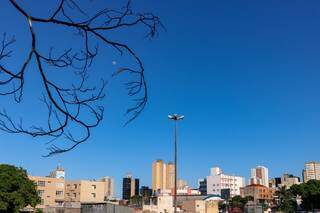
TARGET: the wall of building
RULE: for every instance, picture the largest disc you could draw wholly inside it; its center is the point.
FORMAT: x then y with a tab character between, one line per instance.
217	181
51	190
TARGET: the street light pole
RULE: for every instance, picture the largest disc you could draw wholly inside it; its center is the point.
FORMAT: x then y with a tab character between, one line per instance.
175	118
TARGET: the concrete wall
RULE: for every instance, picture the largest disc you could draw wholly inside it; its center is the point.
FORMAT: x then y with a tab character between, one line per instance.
106	208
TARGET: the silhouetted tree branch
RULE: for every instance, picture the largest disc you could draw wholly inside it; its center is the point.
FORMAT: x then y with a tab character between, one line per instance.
66	103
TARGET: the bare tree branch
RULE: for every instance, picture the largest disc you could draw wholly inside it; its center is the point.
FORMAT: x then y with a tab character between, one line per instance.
66	104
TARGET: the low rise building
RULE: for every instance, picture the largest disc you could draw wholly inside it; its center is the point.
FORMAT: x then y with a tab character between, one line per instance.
258	192
89	191
51	189
218	181
287	180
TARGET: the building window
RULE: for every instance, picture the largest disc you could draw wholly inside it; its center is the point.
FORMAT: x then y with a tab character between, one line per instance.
59	203
93	195
40	192
94	186
60	185
42	202
59	193
41	183
74	195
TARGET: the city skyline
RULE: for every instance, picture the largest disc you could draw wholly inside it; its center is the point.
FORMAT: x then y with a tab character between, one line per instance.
214	171
247	84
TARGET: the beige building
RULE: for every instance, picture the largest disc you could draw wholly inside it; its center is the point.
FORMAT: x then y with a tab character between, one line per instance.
162	175
258	192
51	189
182	184
157	175
311	171
188	204
89	191
169	168
287	180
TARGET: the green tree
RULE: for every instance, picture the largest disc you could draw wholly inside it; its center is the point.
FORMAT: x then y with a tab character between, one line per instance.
287	202
240	202
136	200
16	189
310	194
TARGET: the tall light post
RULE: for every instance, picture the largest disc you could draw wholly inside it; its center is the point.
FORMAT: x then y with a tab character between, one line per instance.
175	118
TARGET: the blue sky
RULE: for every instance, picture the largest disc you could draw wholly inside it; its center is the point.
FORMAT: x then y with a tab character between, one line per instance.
244	73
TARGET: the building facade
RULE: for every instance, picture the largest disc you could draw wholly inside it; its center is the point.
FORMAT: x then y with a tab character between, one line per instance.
51	189
258	192
169	175
89	191
259	175
275	182
181	184
202	186
218	181
130	187
287	180
311	171
162	176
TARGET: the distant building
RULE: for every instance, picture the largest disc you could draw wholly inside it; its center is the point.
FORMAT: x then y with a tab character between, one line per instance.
169	175
258	192
202	186
182	184
145	191
130	187
287	180
218	181
89	191
58	173
51	189
158	180
259	175
311	171
186	203
275	182
162	175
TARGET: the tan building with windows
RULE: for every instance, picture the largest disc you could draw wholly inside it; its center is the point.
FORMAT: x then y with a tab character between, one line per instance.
89	191
51	189
169	168
258	192
311	171
162	175
157	175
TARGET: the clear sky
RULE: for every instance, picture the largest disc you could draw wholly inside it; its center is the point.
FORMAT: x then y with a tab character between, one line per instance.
244	73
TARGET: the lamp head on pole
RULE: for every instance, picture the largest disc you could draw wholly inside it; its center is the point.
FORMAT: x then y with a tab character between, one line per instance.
175	117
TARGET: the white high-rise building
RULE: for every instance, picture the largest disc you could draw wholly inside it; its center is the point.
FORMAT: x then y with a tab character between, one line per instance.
259	175
218	181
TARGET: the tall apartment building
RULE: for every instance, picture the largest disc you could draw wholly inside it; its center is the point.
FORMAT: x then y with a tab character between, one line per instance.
218	181
162	175
169	168
259	175
130	187
51	189
311	171
158	175
89	191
